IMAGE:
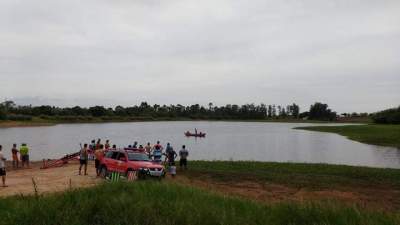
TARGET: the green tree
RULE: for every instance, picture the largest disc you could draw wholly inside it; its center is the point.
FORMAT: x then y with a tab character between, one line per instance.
388	116
320	111
97	111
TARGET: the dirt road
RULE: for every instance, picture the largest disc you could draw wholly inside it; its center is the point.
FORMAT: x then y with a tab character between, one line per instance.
49	180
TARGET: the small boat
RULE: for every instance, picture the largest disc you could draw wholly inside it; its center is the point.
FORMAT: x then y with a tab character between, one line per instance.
188	134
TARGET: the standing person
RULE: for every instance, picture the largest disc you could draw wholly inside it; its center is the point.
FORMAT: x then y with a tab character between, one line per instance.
141	149
99	154
135	145
183	154
92	146
98	143
157	152
24	153
83	158
171	154
2	167
158	146
107	145
147	148
14	152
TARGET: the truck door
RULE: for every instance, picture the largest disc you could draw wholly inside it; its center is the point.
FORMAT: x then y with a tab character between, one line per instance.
121	162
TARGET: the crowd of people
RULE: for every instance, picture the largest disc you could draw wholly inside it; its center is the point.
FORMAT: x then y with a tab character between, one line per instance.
96	151
18	155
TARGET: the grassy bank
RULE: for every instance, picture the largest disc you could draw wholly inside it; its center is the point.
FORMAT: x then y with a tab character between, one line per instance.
301	175
383	135
162	203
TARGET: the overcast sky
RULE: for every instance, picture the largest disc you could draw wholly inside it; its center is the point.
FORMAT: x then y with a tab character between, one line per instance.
71	52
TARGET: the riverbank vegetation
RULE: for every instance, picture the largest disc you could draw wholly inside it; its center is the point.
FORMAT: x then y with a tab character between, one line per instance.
383	135
165	203
388	116
145	112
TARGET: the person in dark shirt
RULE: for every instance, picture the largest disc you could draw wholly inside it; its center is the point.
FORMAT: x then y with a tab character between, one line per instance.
171	154
183	154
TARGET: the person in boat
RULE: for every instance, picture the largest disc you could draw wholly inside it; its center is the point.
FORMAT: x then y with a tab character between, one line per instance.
99	154
114	147
2	167
195	131
14	153
170	155
24	153
157	152
135	144
83	159
107	145
183	154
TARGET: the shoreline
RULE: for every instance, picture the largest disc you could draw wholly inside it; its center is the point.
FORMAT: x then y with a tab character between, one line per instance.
42	123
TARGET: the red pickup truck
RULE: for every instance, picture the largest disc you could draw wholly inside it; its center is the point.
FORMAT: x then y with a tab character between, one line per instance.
123	161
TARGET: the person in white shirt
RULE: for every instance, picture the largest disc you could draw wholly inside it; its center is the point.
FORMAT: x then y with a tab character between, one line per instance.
2	167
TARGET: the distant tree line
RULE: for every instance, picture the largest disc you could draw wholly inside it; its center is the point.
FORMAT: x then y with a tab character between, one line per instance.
388	116
11	111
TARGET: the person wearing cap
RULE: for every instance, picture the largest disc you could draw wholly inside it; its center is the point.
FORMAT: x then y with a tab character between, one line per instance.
24	153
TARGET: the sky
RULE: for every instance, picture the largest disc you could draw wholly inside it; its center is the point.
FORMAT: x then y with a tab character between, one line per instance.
345	53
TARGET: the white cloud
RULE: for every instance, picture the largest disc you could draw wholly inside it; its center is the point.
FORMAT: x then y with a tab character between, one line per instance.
344	52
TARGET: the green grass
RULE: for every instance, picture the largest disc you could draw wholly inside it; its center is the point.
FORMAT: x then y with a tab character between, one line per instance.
301	175
162	203
383	135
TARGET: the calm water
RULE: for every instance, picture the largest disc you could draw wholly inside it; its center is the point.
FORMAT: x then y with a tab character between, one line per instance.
224	141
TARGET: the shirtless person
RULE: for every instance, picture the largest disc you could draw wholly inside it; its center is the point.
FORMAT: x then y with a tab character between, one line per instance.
14	153
83	158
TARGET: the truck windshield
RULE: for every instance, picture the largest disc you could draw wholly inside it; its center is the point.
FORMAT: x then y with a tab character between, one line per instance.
138	157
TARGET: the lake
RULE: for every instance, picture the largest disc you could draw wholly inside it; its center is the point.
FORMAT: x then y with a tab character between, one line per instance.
256	141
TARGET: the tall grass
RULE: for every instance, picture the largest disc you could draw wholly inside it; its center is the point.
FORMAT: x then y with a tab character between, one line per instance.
160	203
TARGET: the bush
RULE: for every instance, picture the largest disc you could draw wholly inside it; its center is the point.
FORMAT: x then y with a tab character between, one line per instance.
388	116
19	117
